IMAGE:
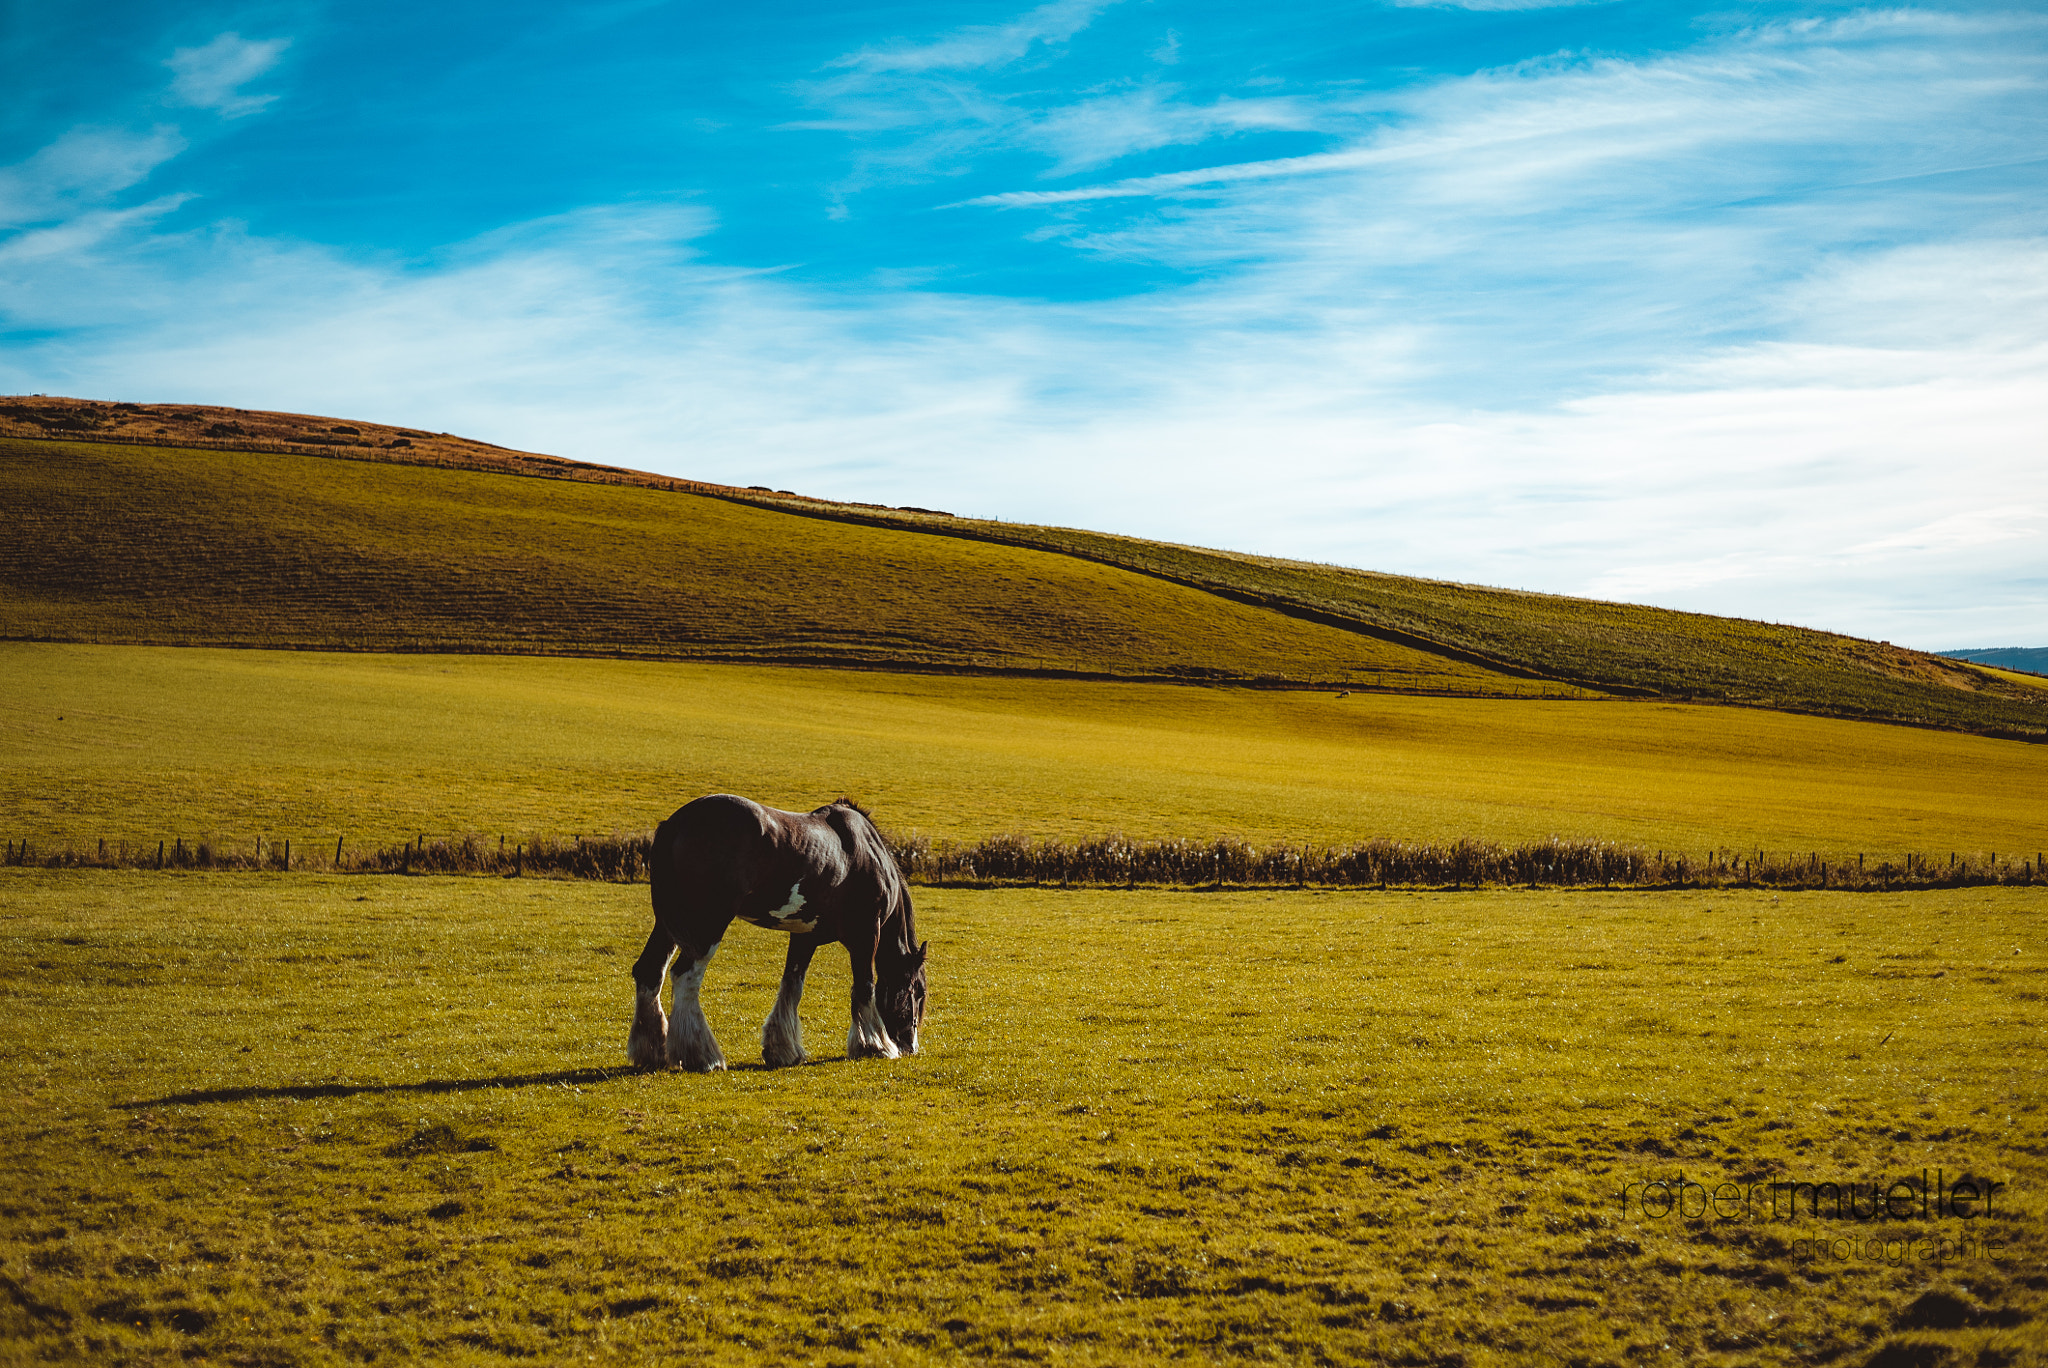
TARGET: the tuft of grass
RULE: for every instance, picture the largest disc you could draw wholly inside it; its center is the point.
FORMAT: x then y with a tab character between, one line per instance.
338	1119
136	745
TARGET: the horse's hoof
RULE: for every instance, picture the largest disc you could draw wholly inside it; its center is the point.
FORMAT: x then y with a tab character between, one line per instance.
782	1060
859	1048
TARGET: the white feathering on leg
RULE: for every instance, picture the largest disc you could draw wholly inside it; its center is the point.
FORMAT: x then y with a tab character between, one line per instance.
690	1042
782	1035
867	1038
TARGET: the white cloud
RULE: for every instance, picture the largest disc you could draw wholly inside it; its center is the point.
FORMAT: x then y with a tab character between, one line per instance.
211	77
1101	129
981	46
941	99
1497	5
1742	111
77	236
85	167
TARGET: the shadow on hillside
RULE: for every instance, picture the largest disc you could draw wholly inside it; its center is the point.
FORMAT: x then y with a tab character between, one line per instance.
303	1092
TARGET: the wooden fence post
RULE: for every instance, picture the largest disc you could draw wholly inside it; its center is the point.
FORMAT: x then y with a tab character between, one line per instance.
337	852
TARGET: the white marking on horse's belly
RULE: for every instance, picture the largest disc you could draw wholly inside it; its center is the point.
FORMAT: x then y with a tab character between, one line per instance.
784	915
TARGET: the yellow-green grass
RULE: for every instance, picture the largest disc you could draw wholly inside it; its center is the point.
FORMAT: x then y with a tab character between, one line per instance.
149	544
327	1119
163	743
2021	677
156	545
1613	645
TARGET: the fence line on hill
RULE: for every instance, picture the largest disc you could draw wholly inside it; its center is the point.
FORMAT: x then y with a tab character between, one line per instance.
1112	861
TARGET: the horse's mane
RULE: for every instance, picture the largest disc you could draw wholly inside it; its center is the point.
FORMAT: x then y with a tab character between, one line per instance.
908	930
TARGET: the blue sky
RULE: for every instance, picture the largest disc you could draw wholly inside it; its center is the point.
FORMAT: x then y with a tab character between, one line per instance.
1740	309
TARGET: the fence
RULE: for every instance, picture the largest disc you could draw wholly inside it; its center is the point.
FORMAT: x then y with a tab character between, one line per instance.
1107	862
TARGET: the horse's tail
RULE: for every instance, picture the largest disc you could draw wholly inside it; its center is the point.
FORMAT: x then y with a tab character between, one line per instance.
661	876
693	867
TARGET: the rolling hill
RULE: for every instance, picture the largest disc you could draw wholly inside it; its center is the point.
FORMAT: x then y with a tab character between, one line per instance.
188	525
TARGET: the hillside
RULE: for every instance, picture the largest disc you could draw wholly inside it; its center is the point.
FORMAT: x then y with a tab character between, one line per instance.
1625	649
255	539
129	544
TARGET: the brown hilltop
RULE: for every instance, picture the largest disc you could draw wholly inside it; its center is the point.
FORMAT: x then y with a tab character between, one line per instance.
233	429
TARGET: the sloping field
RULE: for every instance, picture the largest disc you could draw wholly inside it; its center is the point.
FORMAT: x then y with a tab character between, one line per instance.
1613	646
136	544
132	543
272	1119
144	744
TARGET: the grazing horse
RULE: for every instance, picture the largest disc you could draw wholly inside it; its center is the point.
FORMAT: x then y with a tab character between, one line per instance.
821	876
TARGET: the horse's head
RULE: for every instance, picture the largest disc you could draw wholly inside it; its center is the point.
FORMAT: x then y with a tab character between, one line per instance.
899	997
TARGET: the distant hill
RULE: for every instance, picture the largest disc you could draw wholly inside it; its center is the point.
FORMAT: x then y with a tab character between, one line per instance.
186	524
2031	658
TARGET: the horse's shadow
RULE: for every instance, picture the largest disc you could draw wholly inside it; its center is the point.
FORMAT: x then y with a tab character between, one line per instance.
306	1092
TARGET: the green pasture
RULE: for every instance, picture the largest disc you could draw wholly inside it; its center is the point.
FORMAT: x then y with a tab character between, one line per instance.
163	545
315	1119
137	745
1625	646
140	545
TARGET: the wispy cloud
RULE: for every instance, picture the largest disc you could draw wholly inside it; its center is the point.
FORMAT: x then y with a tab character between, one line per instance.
948	101
211	77
1091	132
981	45
1497	5
1167	183
79	235
81	170
1791	92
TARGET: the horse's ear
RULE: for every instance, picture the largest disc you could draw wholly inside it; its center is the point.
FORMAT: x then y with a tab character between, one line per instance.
921	951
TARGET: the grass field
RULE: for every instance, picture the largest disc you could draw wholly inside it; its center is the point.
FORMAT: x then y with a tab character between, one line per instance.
1613	645
144	544
148	545
146	744
275	1119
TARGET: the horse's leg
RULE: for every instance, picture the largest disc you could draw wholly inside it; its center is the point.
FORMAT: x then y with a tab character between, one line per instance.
867	1038
647	1043
782	1035
690	1042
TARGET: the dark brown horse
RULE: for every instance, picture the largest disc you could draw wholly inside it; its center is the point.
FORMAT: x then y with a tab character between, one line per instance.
821	876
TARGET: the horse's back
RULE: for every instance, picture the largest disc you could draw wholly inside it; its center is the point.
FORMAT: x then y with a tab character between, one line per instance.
710	847
730	856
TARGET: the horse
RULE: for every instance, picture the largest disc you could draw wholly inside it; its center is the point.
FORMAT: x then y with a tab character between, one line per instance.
820	876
